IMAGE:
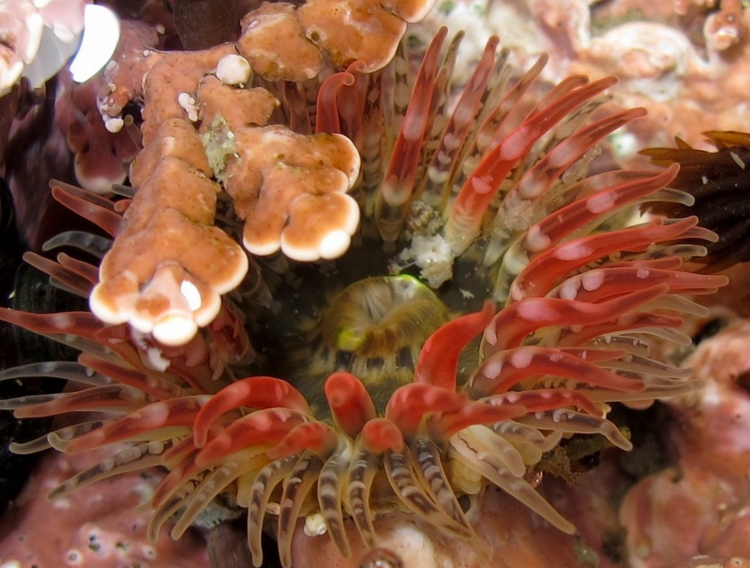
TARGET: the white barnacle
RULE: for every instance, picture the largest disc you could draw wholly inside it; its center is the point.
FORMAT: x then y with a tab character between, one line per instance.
113	124
233	70
315	525
189	103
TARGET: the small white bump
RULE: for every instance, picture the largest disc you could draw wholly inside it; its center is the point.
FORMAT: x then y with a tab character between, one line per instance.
233	70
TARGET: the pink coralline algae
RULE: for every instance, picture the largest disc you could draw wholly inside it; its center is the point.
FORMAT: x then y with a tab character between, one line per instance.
99	526
700	507
330	296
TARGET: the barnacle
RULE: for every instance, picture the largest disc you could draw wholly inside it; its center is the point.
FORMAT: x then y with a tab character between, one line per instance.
482	296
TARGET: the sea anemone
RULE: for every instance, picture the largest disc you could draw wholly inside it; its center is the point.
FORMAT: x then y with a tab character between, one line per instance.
356	361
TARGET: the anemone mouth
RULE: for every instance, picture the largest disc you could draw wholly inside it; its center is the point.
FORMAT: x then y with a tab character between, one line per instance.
366	316
376	327
375	407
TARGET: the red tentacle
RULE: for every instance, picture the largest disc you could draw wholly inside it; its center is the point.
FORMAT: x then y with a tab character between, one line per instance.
327	119
506	369
444	425
550	266
101	216
261	428
511	325
166	414
398	183
152	383
540	400
79	267
603	283
351	104
314	436
71	278
438	361
629	322
380	435
409	404
350	403
252	392
114	398
81	324
477	193
461	120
